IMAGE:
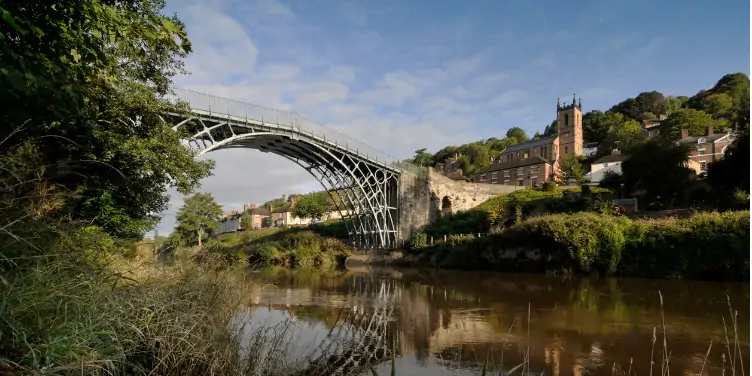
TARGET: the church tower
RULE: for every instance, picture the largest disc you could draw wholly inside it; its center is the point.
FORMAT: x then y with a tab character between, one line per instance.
569	126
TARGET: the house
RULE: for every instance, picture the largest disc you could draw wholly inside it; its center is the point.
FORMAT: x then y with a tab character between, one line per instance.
705	149
652	127
534	162
609	163
589	149
258	215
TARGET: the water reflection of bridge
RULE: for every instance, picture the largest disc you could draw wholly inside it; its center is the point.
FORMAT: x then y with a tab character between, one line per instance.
588	326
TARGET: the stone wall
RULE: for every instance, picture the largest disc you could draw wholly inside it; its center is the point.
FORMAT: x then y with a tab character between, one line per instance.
425	199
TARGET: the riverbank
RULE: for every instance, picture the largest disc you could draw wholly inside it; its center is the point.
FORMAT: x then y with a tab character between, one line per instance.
317	246
701	246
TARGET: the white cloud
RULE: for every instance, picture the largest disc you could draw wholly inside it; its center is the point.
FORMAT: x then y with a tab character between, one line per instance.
509	98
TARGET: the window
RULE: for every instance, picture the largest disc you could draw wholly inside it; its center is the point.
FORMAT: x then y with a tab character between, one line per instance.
506	182
506	174
704	166
605	165
701	140
519	182
494	175
566	149
482	177
520	171
701	152
566	120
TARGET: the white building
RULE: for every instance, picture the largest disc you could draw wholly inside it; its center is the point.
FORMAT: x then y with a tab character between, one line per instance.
603	165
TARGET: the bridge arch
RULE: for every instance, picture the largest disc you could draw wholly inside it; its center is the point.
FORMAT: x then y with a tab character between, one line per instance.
366	181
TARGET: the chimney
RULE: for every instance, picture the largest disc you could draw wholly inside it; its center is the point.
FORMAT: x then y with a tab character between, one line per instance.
246	207
224	214
710	130
253	206
684	133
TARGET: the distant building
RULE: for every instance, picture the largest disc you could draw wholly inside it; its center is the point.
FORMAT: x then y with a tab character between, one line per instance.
652	127
231	222
609	163
534	162
705	149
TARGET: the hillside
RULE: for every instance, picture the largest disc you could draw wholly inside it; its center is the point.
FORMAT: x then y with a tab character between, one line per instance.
722	106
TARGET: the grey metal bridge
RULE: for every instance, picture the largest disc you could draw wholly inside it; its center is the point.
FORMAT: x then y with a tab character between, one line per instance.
366	180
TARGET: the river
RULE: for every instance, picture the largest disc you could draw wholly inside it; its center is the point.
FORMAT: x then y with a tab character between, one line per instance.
450	322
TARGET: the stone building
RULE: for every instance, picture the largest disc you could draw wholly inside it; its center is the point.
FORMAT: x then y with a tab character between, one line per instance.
534	162
652	127
705	149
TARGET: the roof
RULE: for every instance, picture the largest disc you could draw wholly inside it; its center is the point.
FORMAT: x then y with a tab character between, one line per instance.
712	138
258	211
282	209
513	164
530	144
612	158
590	145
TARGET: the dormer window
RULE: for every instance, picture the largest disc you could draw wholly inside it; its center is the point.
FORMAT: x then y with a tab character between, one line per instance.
701	140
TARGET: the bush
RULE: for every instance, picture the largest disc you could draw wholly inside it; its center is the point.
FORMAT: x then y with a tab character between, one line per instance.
549	186
703	246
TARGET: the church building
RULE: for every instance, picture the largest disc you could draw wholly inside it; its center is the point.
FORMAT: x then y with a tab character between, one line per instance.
531	163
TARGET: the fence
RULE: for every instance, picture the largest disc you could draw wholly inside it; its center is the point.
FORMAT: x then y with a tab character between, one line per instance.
289	121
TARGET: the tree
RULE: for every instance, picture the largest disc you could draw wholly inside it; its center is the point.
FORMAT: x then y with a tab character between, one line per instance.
656	173
422	158
718	105
673	104
517	133
570	168
596	126
199	214
695	121
552	129
82	84
313	205
246	221
652	101
627	135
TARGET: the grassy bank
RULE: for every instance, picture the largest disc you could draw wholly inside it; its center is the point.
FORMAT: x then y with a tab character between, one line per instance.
318	246
703	246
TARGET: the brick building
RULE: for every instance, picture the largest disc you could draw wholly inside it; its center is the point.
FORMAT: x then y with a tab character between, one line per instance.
705	149
534	162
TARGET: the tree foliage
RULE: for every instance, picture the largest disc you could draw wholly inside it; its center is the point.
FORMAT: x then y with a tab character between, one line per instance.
694	121
570	168
313	205
656	173
82	85
517	133
199	214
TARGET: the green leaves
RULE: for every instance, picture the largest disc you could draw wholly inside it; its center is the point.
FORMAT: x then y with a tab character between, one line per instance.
199	212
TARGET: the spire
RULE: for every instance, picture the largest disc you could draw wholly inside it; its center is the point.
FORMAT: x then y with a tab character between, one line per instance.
558	104
574	99
579	103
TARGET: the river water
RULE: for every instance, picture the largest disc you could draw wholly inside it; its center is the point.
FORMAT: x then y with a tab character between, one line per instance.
451	322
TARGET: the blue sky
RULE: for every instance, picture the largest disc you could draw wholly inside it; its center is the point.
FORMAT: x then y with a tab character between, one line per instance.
402	75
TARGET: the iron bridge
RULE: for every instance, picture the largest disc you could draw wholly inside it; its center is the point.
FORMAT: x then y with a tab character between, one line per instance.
363	182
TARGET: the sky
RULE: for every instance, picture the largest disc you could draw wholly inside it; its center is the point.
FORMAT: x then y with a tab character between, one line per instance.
401	75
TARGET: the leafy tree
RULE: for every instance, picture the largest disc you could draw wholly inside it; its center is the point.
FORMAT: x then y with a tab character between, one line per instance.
612	181
422	158
199	214
718	105
246	221
627	135
552	129
82	84
517	133
673	104
570	168
695	121
313	205
656	173
632	108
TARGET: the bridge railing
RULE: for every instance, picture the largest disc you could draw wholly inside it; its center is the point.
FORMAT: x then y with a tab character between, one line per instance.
286	120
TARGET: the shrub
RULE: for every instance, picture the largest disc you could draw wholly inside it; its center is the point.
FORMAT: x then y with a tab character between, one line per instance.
549	186
418	241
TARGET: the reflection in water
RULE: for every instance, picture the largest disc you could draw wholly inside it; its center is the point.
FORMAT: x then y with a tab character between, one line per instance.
442	321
